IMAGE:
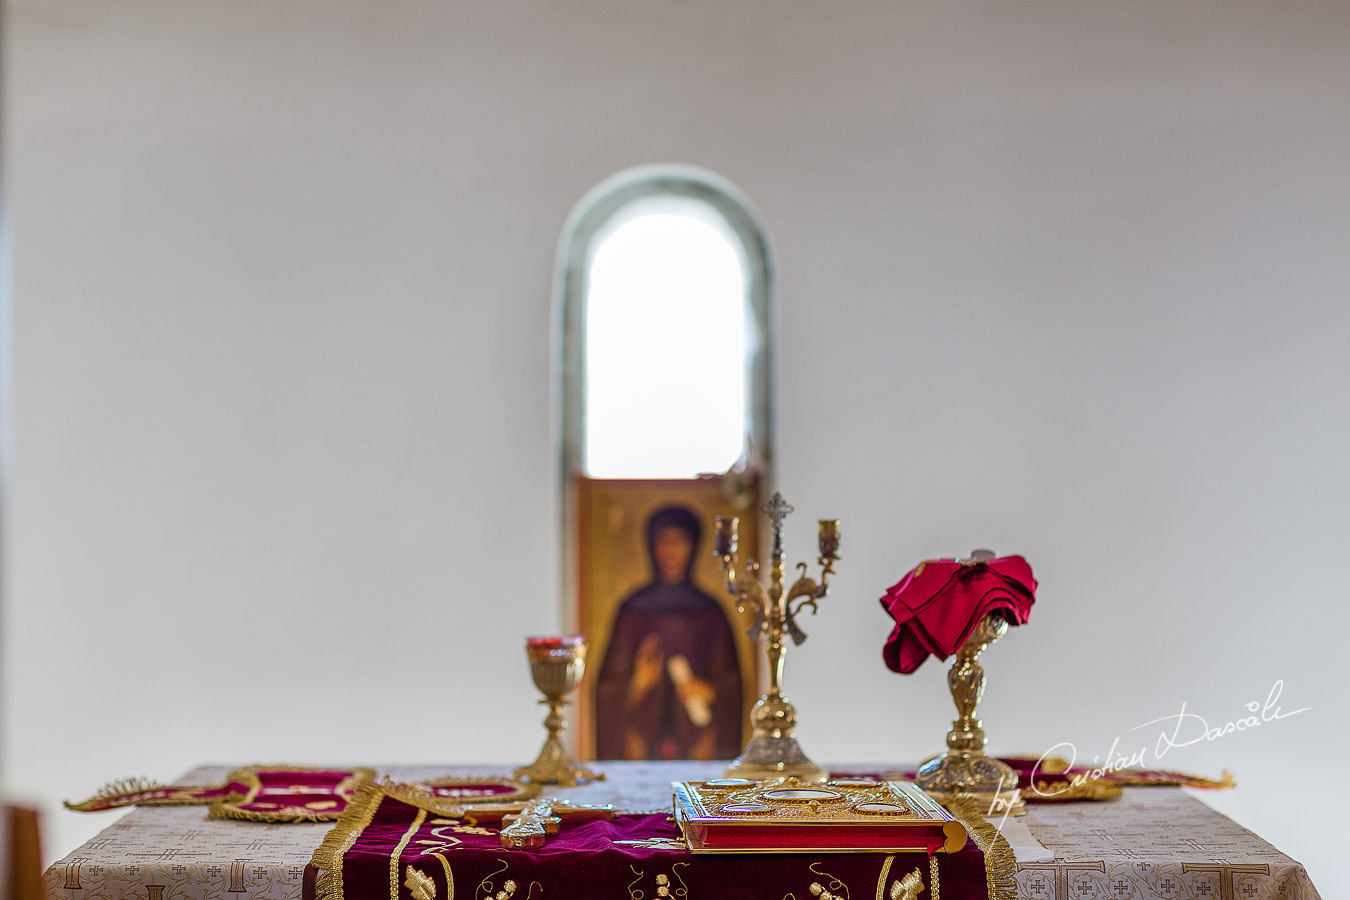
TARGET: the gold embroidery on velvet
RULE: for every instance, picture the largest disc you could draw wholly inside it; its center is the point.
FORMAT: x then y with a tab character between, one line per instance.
635	893
420	886
449	876
909	887
881	879
508	886
398	851
683	889
1000	865
835	885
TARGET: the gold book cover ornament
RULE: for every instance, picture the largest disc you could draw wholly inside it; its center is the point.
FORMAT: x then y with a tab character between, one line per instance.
736	815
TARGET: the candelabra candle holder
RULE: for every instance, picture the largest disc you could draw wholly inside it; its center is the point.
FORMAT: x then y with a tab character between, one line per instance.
556	665
773	751
965	769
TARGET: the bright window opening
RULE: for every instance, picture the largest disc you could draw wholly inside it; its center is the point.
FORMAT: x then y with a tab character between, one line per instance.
666	343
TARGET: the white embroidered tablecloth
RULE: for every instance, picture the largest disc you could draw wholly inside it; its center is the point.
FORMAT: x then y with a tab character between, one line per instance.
1153	842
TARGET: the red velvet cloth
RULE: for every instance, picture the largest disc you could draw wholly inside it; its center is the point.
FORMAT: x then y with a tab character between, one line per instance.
589	860
938	605
242	786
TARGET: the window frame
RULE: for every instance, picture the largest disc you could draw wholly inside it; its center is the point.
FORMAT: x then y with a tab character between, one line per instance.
587	220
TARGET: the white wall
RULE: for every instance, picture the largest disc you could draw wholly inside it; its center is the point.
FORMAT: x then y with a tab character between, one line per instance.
1058	277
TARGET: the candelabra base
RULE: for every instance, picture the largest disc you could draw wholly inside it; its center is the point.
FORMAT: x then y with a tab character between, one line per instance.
769	757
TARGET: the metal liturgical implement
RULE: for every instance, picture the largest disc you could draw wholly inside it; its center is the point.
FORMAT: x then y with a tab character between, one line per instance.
966	769
773	751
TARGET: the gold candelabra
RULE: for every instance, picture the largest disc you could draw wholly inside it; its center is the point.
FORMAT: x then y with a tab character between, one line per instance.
773	751
556	665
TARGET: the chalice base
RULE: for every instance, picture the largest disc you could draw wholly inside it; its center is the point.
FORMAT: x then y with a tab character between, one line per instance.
774	757
556	766
975	775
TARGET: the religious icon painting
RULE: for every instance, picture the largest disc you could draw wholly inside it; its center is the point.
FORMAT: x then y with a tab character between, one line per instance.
671	673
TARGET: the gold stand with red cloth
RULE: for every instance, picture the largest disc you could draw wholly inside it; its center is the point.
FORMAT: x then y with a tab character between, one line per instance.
958	607
965	768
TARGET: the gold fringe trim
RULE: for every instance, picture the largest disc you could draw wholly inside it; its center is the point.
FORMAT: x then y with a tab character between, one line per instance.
1000	864
111	793
232	807
327	857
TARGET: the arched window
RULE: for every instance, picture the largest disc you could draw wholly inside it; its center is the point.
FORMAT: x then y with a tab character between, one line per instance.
664	285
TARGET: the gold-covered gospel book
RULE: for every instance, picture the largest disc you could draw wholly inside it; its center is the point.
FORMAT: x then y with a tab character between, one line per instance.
735	815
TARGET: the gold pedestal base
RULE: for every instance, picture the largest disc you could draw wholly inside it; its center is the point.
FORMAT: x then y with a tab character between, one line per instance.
555	765
562	772
973	774
773	751
766	757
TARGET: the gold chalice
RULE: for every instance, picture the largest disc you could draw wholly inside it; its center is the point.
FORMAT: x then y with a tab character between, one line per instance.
556	665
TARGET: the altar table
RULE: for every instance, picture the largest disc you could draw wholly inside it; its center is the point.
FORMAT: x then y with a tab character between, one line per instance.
1153	842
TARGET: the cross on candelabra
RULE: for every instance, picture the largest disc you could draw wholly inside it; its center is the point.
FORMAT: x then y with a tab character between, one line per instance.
777	509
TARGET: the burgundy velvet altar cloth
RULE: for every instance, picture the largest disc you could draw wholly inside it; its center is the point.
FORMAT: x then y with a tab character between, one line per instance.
939	603
392	848
288	793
